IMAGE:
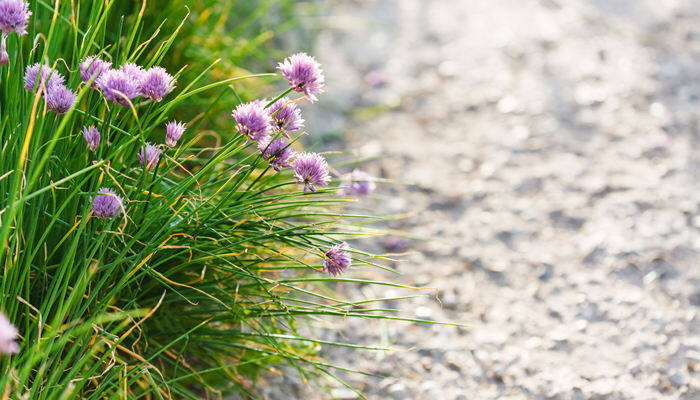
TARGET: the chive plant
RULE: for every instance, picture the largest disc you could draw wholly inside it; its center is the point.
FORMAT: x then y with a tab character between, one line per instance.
137	260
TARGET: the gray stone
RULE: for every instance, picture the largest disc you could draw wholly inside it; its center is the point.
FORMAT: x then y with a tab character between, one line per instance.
677	380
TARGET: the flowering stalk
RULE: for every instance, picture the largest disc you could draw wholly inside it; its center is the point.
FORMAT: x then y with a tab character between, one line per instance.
286	92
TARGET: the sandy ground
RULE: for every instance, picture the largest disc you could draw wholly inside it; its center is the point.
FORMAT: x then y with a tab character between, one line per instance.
550	148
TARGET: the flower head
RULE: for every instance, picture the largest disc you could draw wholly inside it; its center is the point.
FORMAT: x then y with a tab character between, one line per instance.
92	136
135	72
148	156
278	152
311	169
46	76
173	132
156	83
8	335
93	66
357	183
4	57
59	98
285	115
107	204
304	74
14	16
252	120
337	259
118	86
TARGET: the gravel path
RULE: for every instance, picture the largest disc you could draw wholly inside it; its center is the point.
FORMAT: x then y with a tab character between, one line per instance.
551	149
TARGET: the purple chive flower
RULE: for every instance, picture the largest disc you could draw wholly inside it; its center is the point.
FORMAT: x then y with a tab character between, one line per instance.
93	66
278	152
286	116
92	136
252	120
357	183
107	204
337	260
311	169
118	86
156	83
148	156
59	98
135	72
4	57
14	16
32	72
304	74
8	335
173	132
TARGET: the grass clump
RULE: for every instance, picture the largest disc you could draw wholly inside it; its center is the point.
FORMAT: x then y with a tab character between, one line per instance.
139	261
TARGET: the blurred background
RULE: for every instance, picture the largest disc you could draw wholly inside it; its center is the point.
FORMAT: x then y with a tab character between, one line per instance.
541	166
550	150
